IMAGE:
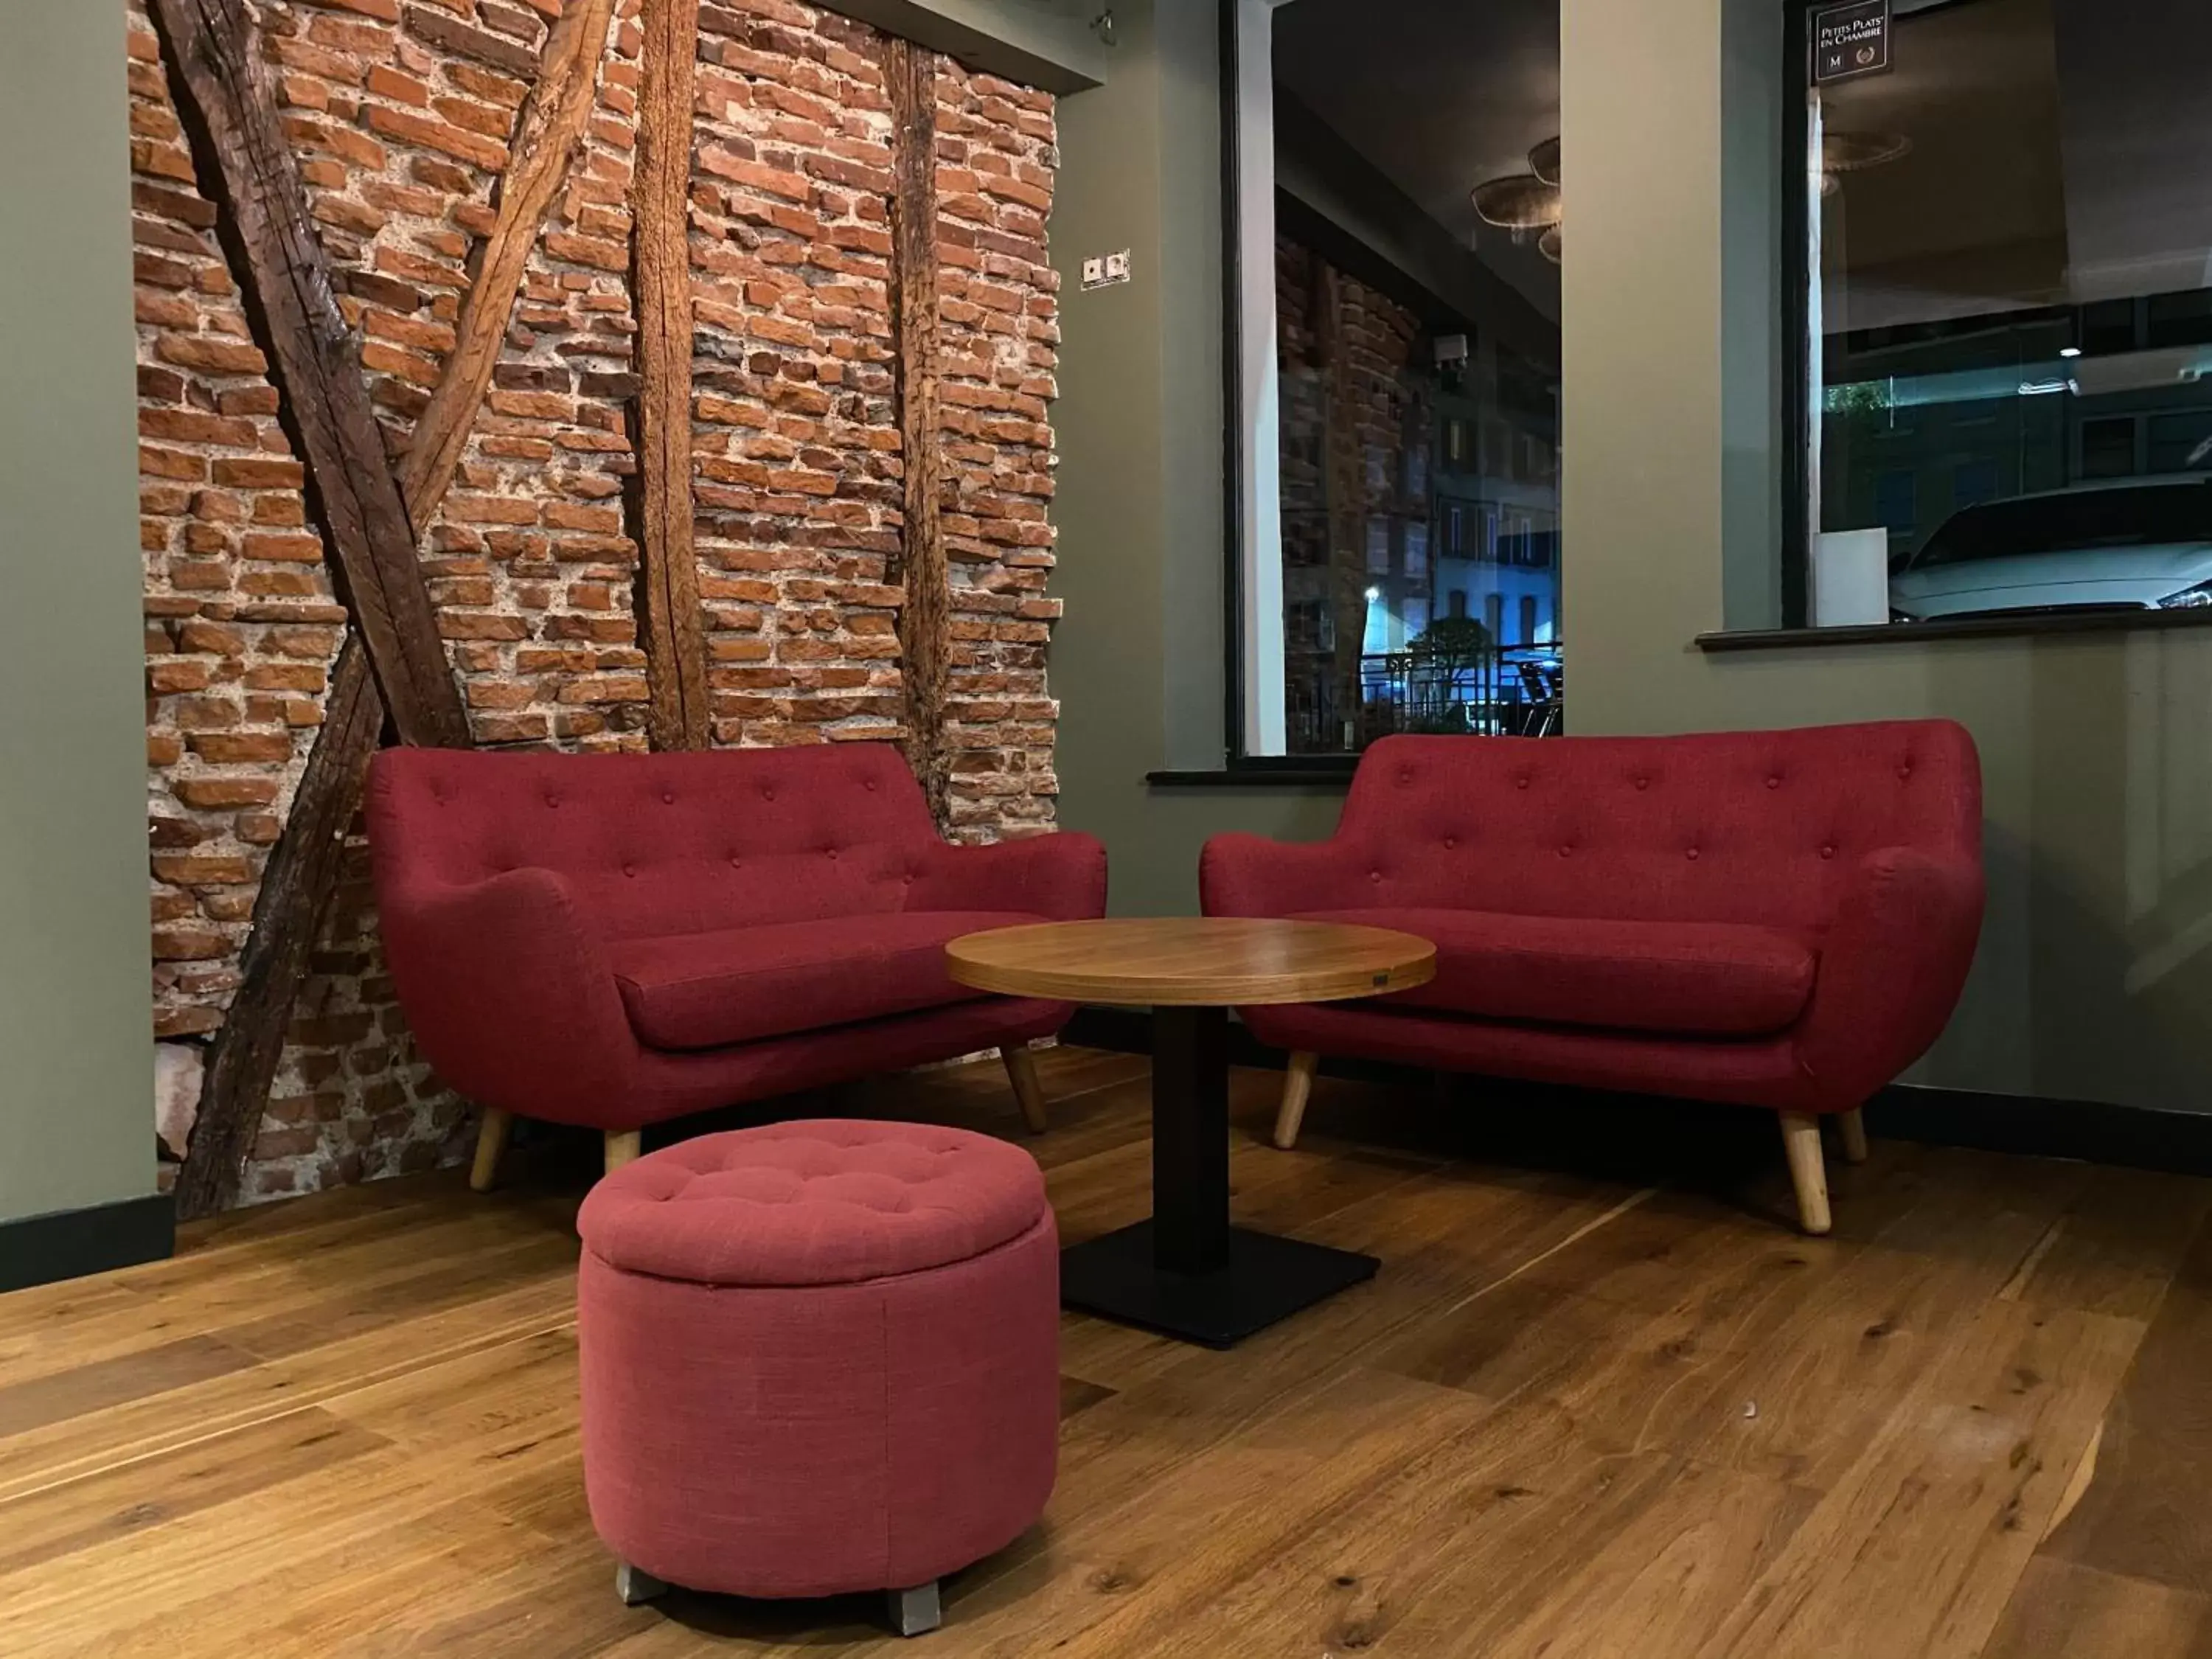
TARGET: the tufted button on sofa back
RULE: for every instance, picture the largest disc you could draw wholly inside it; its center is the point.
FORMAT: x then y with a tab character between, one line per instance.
1758	827
651	845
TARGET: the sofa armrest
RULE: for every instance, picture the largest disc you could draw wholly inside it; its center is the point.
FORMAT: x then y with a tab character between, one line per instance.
1244	875
1061	876
510	995
1890	970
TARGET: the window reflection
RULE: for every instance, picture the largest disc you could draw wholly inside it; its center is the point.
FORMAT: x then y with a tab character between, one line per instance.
2010	259
1399	205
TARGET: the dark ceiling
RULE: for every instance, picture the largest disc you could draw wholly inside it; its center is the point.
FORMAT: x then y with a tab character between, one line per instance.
1438	94
2061	150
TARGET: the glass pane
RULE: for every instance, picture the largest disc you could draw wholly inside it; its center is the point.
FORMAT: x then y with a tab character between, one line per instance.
2010	236
1416	370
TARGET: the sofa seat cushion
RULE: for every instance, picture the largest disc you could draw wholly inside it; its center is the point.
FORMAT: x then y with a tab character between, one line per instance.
1683	978
737	985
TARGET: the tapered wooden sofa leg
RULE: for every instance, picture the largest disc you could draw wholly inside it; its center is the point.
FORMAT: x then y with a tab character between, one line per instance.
492	1131
1022	1073
1297	1084
1809	1170
622	1147
1853	1127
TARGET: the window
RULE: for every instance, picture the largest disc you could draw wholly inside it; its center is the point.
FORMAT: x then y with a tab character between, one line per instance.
2005	339
1897	502
2180	443
2108	446
1972	482
1395	442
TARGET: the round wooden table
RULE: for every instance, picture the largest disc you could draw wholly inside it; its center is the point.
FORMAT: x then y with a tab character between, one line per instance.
1187	1272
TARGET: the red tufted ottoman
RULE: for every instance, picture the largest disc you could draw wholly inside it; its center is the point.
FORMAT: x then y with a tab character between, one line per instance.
818	1356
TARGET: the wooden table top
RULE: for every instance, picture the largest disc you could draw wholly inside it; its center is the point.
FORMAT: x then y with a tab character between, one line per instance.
1191	961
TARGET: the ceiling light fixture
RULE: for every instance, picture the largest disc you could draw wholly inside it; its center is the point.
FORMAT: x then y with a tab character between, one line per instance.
1843	151
1518	202
1544	160
1526	201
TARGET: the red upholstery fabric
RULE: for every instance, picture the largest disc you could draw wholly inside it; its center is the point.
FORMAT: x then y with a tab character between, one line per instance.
816	1201
737	984
810	1439
1707	979
1862	843
507	883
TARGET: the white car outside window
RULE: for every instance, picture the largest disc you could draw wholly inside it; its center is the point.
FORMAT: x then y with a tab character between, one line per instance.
2132	546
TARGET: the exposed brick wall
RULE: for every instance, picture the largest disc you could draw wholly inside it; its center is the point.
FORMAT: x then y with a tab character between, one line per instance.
352	1100
798	445
241	621
400	112
999	315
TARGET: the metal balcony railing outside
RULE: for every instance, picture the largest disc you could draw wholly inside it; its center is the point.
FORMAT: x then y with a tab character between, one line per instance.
1513	691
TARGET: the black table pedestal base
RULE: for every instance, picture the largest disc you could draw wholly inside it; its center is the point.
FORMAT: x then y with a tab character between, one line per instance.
1268	1278
1187	1273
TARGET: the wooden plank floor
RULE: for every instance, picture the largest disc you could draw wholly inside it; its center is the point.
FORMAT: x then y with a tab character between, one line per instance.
1579	1415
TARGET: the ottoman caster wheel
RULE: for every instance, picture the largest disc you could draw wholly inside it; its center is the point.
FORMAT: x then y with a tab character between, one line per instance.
916	1612
636	1586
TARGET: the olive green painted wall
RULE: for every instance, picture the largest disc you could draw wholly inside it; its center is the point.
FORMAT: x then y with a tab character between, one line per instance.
1137	665
77	1123
2095	980
2095	976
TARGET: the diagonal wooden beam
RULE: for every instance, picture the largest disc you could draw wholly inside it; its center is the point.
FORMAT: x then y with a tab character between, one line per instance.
925	618
296	885
223	95
672	629
546	136
306	864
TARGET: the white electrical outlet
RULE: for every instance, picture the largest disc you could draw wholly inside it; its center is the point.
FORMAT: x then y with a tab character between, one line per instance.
1105	271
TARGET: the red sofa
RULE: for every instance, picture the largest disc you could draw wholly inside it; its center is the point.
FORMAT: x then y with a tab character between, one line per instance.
1777	919
616	940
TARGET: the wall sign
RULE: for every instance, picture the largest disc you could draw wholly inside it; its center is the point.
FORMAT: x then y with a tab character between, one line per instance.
1850	41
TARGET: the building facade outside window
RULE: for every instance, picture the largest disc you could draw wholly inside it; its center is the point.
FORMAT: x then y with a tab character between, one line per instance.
1394	486
2003	244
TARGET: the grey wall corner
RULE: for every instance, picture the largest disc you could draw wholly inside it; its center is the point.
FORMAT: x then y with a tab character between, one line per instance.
76	1013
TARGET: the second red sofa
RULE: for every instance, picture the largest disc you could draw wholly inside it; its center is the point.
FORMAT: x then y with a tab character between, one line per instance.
1777	919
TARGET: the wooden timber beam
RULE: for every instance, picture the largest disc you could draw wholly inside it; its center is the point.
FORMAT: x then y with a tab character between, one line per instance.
925	618
672	629
296	885
306	864
546	137
224	96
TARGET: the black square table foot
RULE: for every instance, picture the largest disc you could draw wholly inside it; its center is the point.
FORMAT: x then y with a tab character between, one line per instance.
1268	1278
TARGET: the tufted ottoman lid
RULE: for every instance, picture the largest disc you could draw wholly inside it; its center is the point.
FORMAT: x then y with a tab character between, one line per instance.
818	1201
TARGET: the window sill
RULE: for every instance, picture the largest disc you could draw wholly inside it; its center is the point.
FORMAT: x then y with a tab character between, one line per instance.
1958	627
1321	775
